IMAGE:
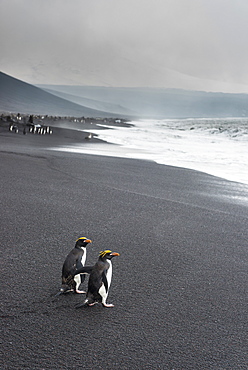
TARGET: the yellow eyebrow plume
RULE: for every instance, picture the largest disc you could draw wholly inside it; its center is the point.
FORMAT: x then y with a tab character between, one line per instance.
103	253
82	237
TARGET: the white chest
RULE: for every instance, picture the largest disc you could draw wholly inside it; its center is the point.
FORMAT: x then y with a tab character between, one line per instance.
109	273
83	259
102	291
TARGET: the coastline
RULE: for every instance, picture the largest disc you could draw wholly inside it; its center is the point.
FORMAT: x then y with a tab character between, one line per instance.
179	285
70	134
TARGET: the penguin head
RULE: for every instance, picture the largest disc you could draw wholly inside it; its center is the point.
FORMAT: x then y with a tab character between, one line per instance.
82	242
107	254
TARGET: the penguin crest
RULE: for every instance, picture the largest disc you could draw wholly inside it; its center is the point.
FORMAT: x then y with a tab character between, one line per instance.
82	241
81	238
103	253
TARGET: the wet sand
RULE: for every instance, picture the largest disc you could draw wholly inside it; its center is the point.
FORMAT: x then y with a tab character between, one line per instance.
180	283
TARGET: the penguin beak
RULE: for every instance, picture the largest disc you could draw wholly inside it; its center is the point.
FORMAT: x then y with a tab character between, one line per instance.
114	254
88	241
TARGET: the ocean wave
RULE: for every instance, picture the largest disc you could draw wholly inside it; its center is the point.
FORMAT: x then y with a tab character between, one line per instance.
215	146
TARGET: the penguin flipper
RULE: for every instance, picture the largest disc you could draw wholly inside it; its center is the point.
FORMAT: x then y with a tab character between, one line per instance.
83	270
79	264
82	278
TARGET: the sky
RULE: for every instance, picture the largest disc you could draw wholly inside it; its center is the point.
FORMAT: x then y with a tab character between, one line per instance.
188	44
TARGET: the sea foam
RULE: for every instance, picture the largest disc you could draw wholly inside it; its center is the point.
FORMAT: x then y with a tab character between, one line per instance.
215	146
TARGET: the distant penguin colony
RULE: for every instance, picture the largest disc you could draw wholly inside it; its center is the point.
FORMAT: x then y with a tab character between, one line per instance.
99	279
74	261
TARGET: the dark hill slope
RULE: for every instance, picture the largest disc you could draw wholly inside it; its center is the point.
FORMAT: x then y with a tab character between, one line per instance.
19	97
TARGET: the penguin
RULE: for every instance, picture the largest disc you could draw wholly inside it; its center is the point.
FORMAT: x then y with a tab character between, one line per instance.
74	261
99	279
89	137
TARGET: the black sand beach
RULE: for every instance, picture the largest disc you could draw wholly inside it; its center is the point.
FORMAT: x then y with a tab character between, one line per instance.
180	283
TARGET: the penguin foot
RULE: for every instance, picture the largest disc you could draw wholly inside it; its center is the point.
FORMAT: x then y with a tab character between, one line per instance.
67	291
92	304
63	291
79	291
107	304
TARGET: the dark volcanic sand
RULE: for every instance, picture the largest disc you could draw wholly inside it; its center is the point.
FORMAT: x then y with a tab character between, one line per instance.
180	283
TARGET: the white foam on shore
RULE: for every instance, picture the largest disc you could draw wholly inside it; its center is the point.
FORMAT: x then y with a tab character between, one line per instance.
215	146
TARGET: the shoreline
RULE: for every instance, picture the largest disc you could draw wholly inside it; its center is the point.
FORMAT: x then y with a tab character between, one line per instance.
179	285
78	135
70	135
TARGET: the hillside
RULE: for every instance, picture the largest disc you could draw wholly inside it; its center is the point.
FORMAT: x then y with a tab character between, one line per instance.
131	103
159	103
20	97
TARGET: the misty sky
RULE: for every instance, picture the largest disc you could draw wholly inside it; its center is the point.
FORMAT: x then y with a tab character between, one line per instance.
190	44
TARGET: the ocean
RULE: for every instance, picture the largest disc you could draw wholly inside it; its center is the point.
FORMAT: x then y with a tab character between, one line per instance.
215	146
